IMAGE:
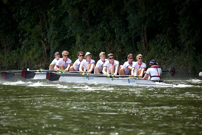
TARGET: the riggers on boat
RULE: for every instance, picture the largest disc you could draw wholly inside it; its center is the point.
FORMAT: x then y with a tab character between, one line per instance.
101	79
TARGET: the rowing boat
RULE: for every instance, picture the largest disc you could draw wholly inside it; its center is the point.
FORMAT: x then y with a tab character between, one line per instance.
101	79
75	77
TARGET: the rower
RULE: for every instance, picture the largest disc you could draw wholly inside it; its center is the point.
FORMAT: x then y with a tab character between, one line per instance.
138	67
88	64
154	72
111	66
53	63
127	66
77	63
64	63
100	63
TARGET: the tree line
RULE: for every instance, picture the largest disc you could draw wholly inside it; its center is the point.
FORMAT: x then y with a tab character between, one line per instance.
167	30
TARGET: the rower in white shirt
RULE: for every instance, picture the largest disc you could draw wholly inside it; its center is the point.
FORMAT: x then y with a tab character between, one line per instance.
138	67
53	63
77	63
88	64
100	63
111	66
126	68
64	63
153	73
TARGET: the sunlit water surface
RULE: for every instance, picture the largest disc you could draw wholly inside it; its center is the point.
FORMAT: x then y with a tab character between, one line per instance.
43	107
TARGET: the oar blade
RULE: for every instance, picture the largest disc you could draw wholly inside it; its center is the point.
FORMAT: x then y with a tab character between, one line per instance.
28	74
52	76
7	75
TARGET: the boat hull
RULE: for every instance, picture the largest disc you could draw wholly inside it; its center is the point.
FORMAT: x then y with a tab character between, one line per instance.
112	81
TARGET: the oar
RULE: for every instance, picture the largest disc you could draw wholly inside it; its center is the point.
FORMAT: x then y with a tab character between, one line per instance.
12	71
56	76
28	74
31	73
7	75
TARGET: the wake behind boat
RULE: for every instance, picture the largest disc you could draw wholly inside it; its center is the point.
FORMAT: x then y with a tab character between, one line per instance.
102	79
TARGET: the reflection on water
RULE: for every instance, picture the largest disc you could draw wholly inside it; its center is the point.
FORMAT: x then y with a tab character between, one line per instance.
43	107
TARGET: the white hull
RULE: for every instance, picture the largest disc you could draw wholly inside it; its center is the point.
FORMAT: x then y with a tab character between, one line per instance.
41	75
113	81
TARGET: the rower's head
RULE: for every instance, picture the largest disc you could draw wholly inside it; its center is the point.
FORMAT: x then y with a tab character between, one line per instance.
110	57
65	54
153	62
80	55
88	56
102	56
130	57
57	55
139	58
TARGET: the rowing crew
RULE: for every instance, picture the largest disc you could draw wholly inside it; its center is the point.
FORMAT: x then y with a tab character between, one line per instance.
107	66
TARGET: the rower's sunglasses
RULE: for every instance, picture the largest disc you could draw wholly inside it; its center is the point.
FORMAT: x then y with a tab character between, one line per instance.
111	58
65	55
81	55
140	58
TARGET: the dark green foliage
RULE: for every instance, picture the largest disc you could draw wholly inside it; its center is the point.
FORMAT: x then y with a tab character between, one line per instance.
167	30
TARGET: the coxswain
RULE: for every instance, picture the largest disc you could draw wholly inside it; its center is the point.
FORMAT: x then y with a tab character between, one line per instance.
154	72
138	67
77	63
64	63
111	66
126	68
53	63
88	64
100	63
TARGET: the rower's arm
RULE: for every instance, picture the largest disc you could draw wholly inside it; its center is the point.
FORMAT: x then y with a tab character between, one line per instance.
104	71
116	70
56	68
129	67
67	69
146	76
132	71
92	67
81	68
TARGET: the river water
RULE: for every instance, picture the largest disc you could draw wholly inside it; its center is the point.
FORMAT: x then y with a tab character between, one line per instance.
44	107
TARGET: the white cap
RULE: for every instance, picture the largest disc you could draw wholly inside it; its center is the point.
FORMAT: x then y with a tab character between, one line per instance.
87	53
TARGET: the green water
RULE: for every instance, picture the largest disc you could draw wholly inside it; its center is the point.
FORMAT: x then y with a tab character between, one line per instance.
43	107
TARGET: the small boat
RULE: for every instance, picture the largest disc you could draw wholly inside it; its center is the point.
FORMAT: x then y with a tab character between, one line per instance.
102	79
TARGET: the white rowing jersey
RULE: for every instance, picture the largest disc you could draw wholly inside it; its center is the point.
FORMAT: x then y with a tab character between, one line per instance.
154	73
125	66
55	61
84	63
108	65
64	63
77	64
100	64
138	66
